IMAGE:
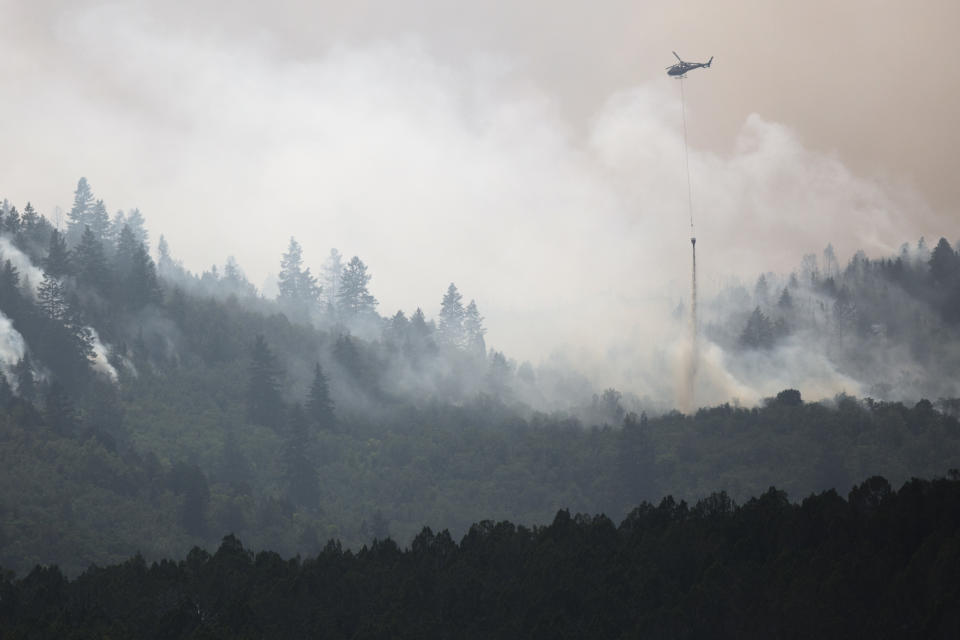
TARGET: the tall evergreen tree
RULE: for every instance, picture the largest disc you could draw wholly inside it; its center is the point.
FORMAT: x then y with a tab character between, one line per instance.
124	252
57	262
319	404
944	264
29	219
99	221
11	300
11	221
138	225
759	333
143	287
91	262
264	402
332	274
355	298
450	328
52	298
473	330
80	213
117	224
298	288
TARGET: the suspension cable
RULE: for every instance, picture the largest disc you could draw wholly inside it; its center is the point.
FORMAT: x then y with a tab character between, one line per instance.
686	156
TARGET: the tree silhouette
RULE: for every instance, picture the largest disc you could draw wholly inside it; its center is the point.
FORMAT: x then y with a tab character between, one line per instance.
264	402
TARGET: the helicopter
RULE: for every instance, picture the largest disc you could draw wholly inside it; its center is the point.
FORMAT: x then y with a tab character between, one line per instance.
680	69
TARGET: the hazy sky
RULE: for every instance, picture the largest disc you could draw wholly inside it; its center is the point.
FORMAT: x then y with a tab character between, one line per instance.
530	152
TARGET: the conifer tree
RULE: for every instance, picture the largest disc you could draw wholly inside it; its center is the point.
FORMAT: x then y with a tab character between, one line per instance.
29	219
10	296
57	262
137	224
473	329
143	287
11	221
52	298
264	402
355	298
298	288
91	262
116	227
759	332
332	274
99	221
450	329
319	404
81	211
123	253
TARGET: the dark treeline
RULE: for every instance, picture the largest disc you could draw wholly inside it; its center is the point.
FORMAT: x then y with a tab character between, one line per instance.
147	408
880	564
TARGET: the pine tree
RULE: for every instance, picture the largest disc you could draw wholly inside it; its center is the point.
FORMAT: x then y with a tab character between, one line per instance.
81	211
473	330
167	267
319	404
143	287
91	262
11	221
264	402
30	219
944	264
759	332
57	262
137	224
116	227
298	289
332	274
450	329
52	298
99	221
11	299
123	253
355	298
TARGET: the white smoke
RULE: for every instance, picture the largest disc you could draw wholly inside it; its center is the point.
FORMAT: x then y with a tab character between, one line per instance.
101	360
12	345
28	271
572	236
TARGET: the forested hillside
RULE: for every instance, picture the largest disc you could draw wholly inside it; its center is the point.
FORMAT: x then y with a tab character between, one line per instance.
880	564
888	328
146	408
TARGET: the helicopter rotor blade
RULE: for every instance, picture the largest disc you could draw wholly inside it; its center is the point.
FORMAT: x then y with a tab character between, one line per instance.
676	56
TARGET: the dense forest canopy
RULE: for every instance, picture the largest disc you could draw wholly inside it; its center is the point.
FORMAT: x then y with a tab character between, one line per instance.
881	563
147	408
